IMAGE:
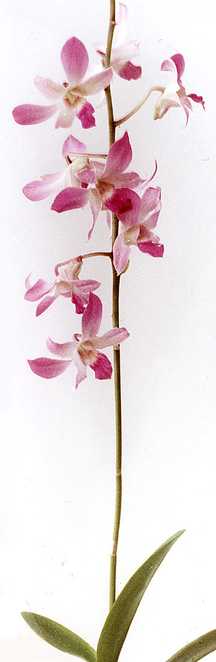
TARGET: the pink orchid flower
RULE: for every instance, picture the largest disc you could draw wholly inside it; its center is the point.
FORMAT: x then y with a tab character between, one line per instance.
83	350
175	94
99	180
69	97
66	284
42	188
123	49
138	217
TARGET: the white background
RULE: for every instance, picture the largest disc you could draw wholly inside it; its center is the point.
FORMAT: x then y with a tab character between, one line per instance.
57	446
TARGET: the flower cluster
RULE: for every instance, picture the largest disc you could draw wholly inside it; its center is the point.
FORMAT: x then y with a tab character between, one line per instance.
101	181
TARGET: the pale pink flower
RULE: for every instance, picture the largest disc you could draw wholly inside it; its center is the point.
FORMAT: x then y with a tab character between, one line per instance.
83	350
42	188
123	49
69	99
99	180
175	95
138	218
66	284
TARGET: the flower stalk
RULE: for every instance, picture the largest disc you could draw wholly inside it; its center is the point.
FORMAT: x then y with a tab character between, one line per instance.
116	353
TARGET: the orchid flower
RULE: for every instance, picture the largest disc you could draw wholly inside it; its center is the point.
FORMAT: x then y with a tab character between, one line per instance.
99	180
66	284
175	93
42	188
83	350
123	48
138	217
69	97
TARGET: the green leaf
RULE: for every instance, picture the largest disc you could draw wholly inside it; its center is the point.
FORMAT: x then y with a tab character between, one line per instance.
59	636
124	609
196	649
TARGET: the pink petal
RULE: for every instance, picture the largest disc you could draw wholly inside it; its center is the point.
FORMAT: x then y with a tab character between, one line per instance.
70	198
126	180
86	286
79	303
180	65
65	117
81	291
92	317
49	88
112	338
121	252
75	59
95	83
121	23
119	156
168	65
31	114
87	175
154	249
126	204
197	99
102	367
38	290
73	146
64	349
81	369
96	206
48	368
44	304
86	115
129	71
41	188
150	201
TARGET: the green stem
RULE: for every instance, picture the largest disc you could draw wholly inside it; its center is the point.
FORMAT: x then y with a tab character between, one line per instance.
116	355
125	118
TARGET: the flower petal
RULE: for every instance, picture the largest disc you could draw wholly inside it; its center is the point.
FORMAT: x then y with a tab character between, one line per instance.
75	59
168	99
180	65
102	367
126	204
44	304
41	188
126	180
95	83
48	368
49	88
70	198
121	29
65	349
32	114
197	98
38	290
92	317
86	115
112	338
121	252
176	64
65	117
150	201
128	70
119	156
81	369
81	291
154	249
96	206
73	146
